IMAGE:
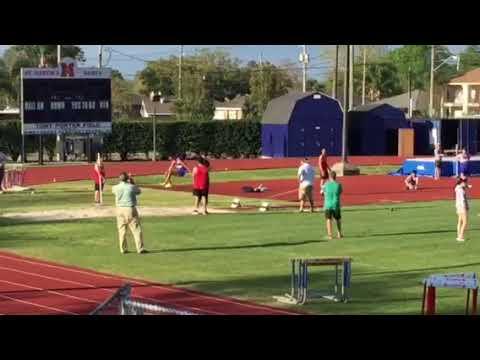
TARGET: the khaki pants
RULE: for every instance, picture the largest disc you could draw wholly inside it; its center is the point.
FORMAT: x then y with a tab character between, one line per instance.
127	216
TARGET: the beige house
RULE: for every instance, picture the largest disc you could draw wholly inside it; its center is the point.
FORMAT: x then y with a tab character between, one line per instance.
462	96
229	109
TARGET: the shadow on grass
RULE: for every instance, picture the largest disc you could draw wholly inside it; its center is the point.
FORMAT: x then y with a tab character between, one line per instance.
250	246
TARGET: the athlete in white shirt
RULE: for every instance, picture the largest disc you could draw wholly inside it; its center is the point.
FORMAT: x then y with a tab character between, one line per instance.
306	179
462	207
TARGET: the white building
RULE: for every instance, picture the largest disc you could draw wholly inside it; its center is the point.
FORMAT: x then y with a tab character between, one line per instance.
229	109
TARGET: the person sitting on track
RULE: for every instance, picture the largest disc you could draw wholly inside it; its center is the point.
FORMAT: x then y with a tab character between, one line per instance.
258	189
463	159
411	182
177	168
461	204
99	178
324	168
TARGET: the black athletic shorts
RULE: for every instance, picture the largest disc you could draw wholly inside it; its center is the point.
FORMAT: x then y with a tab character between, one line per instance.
2	175
330	213
199	193
438	163
97	187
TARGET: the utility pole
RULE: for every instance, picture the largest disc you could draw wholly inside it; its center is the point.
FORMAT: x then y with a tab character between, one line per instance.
60	137
304	60
335	74
346	105
432	70
350	80
364	74
59	54
410	103
180	59
100	56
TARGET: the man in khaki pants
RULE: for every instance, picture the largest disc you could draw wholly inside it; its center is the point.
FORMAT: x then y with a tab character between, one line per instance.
127	215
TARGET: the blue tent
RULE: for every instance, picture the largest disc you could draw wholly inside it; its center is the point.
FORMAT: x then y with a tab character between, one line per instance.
300	124
373	130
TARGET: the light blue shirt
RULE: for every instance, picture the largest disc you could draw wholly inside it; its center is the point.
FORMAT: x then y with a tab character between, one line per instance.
306	175
126	194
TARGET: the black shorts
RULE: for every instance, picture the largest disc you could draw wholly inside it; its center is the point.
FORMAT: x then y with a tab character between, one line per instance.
199	193
438	163
97	187
330	213
2	175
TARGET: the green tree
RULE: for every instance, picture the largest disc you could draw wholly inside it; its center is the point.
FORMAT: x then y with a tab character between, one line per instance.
315	85
470	58
266	83
381	81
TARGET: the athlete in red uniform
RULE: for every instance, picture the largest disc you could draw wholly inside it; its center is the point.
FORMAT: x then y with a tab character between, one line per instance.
201	184
99	179
324	168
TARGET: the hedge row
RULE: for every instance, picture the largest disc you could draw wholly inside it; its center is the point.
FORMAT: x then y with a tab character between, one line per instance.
218	138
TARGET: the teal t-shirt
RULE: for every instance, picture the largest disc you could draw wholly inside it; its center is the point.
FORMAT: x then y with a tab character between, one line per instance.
332	191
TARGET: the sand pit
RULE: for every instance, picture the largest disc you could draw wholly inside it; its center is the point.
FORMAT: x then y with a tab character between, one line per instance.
101	212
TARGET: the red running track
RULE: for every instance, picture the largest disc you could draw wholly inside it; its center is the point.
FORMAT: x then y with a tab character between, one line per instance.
48	174
357	190
36	287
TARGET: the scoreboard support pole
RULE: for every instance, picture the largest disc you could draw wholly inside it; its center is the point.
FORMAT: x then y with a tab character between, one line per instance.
40	150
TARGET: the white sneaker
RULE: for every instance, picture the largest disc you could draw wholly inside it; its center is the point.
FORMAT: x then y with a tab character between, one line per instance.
460	240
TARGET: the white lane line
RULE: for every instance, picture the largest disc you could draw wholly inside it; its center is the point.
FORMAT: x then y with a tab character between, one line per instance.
38	305
52	292
109	290
169	288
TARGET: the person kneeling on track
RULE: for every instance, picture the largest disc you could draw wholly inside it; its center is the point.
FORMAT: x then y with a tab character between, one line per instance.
411	182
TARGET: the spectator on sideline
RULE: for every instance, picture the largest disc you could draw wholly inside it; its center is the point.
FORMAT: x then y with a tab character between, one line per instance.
324	168
306	178
332	192
201	184
3	160
461	205
438	161
99	179
177	168
127	215
411	182
463	159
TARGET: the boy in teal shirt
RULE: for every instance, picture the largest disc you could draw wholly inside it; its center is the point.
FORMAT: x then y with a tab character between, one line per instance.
332	191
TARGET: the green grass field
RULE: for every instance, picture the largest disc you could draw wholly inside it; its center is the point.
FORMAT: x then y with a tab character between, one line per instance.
247	255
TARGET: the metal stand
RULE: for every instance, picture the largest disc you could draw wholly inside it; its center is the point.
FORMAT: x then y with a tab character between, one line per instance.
300	279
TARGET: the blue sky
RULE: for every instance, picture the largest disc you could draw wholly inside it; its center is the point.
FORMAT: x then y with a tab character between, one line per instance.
276	54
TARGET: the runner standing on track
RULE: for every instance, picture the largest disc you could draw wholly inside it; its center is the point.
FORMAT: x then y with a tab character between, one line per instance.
438	161
332	192
201	184
324	168
99	179
177	168
306	178
461	205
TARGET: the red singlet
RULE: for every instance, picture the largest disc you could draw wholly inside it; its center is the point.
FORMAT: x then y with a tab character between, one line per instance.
201	179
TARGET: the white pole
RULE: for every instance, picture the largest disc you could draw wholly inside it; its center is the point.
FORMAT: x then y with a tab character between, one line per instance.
304	62
364	74
59	54
100	182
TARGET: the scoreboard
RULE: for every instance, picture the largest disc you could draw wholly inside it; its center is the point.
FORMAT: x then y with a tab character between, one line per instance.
66	99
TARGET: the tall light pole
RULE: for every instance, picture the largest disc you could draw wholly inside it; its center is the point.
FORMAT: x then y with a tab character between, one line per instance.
346	104
432	71
335	74
350	80
100	56
180	59
59	54
304	60
155	98
364	74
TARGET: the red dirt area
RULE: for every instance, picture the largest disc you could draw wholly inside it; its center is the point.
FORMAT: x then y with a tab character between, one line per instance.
36	287
357	190
59	173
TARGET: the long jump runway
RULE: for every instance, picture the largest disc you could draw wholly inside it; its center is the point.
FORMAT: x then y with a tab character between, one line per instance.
357	190
36	287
